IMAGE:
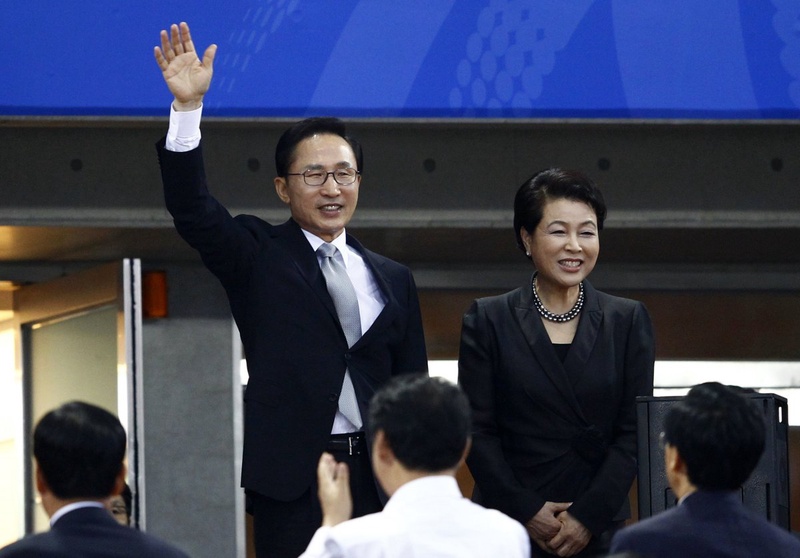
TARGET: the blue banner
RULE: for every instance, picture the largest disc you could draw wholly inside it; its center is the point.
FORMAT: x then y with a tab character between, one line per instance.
727	59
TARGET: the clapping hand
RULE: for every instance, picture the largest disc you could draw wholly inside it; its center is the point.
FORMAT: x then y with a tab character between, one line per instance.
333	480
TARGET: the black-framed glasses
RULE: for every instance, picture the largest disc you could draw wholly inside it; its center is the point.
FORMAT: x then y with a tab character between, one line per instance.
314	177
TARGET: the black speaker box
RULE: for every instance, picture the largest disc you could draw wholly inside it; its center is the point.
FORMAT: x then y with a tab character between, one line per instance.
766	492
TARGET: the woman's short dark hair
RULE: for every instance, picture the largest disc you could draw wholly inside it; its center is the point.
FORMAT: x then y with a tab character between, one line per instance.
287	144
553	184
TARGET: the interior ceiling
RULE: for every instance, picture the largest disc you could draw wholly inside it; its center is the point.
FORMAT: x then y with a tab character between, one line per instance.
420	247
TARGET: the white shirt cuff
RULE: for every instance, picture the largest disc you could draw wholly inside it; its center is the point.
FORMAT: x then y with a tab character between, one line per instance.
184	129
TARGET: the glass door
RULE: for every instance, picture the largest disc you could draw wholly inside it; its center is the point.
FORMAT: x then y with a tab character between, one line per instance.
79	339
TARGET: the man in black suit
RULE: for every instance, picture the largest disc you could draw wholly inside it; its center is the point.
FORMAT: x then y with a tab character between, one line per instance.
302	354
714	438
79	450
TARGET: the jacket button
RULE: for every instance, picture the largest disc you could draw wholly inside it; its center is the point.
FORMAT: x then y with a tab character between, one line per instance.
333	397
347	356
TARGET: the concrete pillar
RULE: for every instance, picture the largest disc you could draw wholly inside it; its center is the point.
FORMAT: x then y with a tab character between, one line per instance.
192	399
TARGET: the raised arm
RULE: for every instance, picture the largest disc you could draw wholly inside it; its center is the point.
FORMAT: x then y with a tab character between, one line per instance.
187	77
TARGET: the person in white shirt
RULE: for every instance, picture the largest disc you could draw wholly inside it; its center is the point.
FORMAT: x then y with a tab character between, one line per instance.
421	437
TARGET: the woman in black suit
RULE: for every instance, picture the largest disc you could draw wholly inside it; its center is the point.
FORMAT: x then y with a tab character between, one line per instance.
552	370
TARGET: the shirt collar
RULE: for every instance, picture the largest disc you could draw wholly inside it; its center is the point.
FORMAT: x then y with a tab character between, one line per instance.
340	242
423	488
61	512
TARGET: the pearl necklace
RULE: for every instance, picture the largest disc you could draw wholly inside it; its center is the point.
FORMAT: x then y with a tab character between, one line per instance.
551	316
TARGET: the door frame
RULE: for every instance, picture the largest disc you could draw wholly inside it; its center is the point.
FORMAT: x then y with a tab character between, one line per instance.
115	284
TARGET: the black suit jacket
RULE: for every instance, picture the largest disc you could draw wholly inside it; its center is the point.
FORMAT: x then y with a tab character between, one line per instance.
90	533
295	348
551	431
708	524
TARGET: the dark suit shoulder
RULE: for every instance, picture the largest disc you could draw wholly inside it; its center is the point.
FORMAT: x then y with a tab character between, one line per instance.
376	259
504	300
664	530
615	307
152	546
495	308
258	227
90	533
610	301
710	527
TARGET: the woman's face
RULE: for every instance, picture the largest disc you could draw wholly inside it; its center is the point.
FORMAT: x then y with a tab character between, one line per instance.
116	505
565	244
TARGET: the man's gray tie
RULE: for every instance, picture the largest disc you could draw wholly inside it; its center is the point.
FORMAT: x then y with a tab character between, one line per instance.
346	302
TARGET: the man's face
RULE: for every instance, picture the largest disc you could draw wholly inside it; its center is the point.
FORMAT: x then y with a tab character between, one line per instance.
321	210
565	244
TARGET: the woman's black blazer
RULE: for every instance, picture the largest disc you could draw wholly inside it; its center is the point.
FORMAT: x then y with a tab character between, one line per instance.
551	431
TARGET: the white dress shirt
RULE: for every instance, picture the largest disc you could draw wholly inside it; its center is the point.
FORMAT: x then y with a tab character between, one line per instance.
425	518
184	129
370	299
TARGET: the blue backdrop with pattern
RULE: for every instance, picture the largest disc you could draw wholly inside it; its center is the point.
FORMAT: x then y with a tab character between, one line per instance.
729	59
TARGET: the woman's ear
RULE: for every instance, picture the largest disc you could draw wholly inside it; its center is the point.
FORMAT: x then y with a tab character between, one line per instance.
526	240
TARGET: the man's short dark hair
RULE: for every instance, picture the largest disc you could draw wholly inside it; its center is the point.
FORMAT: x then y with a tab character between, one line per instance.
79	449
426	421
719	433
287	144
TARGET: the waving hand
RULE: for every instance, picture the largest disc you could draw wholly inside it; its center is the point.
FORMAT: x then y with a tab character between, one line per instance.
187	77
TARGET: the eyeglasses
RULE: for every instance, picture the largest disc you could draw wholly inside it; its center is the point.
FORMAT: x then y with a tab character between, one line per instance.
313	177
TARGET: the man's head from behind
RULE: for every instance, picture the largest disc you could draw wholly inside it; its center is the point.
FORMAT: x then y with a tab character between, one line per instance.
425	422
718	434
79	449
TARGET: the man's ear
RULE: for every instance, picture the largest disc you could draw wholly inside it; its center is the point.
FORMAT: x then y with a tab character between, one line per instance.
382	449
465	453
281	188
41	483
674	461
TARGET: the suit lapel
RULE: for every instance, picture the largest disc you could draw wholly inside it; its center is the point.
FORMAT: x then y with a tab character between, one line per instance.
384	282
586	336
542	348
305	261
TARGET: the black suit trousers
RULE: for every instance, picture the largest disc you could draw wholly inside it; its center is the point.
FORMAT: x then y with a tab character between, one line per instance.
283	529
